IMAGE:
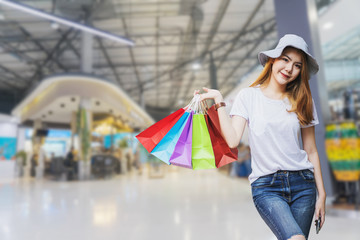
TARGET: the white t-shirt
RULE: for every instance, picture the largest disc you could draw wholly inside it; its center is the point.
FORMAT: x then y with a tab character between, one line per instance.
274	133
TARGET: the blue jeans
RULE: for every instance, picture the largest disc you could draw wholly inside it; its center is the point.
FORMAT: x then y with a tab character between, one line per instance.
286	202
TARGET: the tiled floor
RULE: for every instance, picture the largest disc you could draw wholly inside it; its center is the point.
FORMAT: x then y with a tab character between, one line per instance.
183	205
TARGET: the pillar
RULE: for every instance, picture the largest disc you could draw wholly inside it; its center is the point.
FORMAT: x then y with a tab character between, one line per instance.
85	129
300	17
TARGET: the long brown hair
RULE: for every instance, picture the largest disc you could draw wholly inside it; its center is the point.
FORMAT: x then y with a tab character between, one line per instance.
297	91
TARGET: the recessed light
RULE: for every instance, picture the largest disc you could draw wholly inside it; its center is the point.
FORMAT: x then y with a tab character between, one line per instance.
328	25
196	66
73	99
54	25
62	105
50	112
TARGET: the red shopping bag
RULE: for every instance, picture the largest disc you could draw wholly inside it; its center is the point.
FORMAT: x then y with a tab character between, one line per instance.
151	136
223	153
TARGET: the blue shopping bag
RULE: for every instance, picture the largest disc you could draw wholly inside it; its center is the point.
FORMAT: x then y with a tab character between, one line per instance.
165	148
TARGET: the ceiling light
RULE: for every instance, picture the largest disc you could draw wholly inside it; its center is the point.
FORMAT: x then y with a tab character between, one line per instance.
39	13
196	66
328	25
54	25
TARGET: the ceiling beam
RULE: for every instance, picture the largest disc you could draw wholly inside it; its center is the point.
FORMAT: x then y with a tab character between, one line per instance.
242	30
157	61
216	48
249	52
72	24
21	56
250	69
40	46
108	59
187	49
69	43
17	76
132	57
9	84
214	28
56	49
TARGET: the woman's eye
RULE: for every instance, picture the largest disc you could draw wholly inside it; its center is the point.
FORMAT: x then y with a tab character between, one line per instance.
285	59
298	66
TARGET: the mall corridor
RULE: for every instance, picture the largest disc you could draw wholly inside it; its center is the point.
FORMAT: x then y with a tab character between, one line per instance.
178	204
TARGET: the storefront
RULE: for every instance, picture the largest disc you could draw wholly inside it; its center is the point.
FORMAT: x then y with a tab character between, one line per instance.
66	122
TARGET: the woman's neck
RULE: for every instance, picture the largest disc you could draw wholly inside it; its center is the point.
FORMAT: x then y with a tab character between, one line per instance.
274	90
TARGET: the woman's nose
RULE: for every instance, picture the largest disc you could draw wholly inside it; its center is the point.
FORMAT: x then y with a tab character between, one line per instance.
289	67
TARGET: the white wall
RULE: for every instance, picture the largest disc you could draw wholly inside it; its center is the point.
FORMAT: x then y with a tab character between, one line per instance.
21	139
8	126
8	129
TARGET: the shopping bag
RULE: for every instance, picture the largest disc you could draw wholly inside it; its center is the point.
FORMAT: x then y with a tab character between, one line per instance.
182	152
223	153
151	136
202	154
165	148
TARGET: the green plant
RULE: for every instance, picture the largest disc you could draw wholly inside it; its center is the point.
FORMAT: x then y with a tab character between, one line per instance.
21	154
123	143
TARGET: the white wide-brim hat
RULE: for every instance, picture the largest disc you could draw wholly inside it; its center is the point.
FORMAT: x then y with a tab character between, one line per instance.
290	40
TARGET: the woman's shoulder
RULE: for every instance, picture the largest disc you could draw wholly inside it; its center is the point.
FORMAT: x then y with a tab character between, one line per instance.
248	91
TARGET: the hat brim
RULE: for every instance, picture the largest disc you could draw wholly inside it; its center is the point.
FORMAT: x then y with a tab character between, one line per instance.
275	53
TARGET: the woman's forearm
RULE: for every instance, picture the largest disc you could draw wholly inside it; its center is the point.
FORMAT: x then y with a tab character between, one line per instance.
314	159
231	128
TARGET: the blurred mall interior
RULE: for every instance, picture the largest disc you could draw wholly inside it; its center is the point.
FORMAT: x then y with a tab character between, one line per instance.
81	78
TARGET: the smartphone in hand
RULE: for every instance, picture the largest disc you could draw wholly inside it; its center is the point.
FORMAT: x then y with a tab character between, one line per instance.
317	224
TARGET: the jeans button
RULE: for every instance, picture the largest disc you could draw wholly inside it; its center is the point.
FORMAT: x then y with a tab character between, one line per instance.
285	172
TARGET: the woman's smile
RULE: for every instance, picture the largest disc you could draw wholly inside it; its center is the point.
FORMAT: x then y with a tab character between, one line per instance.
284	75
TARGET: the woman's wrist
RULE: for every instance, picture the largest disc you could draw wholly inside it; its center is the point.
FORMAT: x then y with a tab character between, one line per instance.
322	196
218	99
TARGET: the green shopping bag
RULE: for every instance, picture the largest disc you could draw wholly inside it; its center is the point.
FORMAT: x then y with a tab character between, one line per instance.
202	155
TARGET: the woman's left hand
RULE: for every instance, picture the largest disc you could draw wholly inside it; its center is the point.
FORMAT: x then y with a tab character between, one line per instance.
320	210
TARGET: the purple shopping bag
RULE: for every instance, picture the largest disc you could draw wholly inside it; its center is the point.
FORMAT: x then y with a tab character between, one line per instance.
182	153
166	146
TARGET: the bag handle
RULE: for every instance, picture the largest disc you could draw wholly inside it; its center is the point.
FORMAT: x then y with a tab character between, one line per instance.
192	105
205	106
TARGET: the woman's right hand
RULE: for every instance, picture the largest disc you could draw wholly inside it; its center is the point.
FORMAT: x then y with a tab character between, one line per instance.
210	94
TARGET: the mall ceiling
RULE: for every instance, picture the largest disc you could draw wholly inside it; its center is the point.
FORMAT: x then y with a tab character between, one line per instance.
176	43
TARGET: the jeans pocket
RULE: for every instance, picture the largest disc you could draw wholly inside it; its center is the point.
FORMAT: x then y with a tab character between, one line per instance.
307	175
264	181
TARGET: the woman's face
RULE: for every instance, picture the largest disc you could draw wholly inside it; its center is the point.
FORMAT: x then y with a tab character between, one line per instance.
287	67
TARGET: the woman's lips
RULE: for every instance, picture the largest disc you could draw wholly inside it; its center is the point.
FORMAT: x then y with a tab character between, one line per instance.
285	76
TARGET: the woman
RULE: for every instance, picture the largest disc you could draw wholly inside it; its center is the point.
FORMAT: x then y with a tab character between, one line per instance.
277	107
